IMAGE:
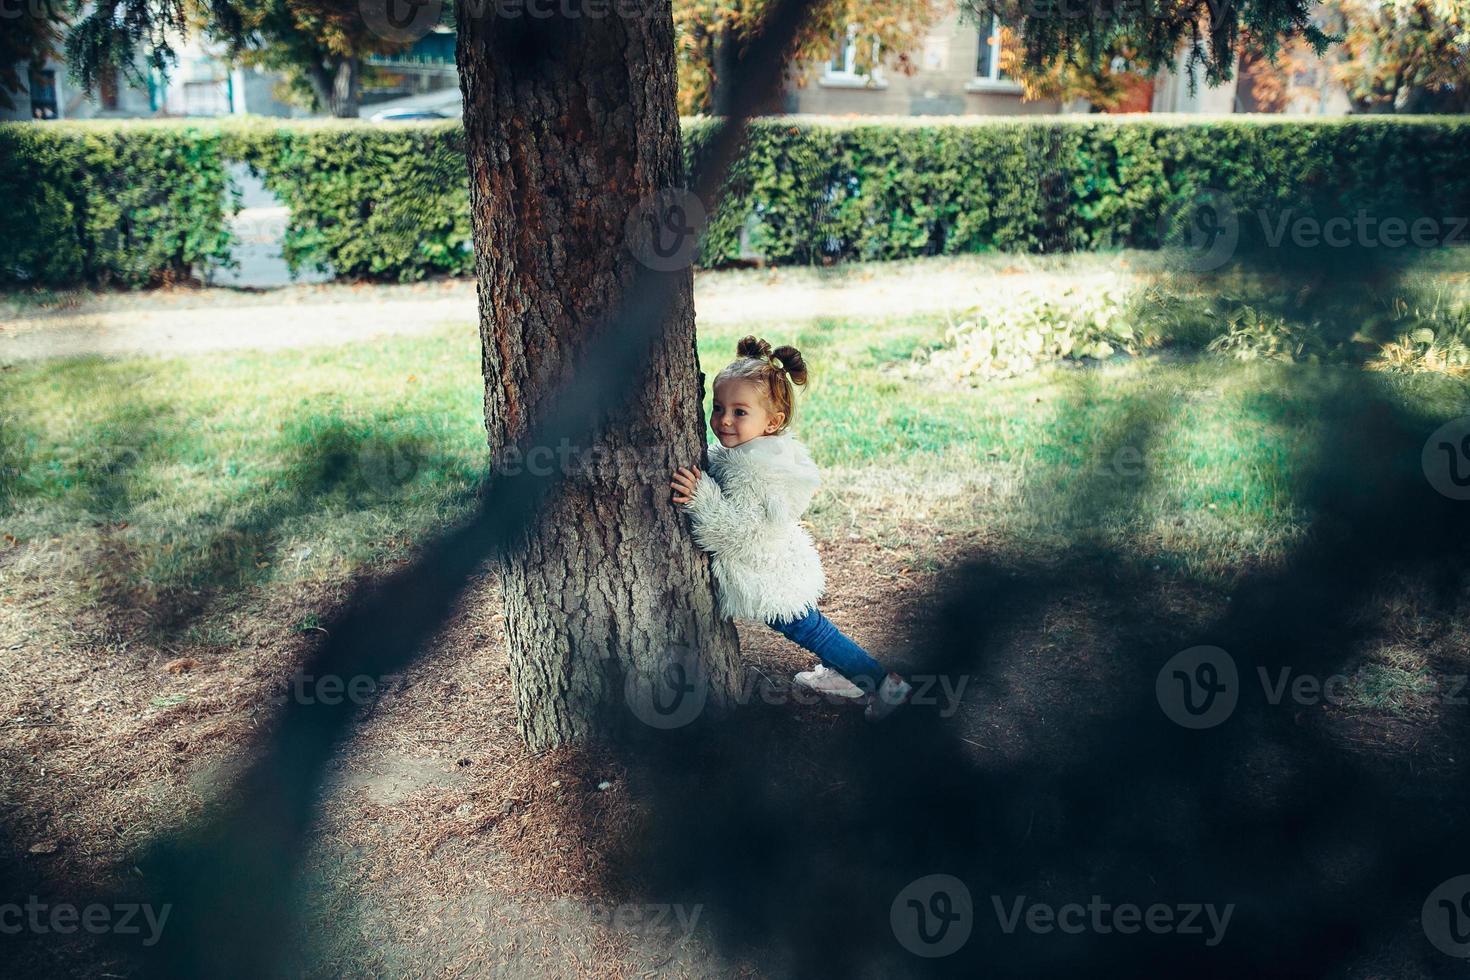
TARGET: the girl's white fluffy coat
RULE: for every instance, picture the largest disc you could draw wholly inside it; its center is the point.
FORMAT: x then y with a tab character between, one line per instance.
744	512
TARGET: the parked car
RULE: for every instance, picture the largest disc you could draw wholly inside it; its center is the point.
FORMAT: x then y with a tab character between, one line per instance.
406	115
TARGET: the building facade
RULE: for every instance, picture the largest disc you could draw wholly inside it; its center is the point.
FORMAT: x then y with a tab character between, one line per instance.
958	73
200	84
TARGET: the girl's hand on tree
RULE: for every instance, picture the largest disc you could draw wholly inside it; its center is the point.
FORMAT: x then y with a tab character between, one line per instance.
686	478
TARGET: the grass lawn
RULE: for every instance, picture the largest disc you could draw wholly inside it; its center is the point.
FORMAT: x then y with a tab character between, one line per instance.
154	475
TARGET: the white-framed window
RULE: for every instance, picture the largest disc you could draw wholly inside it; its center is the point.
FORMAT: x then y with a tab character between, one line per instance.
841	71
988	74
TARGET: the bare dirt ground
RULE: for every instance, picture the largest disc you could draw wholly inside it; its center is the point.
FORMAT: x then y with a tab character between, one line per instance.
442	848
183	321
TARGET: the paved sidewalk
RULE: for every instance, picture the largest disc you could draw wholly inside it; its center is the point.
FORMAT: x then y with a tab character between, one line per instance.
187	321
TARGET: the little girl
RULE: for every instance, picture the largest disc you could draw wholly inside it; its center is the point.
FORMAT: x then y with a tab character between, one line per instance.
744	512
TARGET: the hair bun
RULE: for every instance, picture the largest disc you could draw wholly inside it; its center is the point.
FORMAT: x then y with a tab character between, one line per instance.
776	372
792	363
753	347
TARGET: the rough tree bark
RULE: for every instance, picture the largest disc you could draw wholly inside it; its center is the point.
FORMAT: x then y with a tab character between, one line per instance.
570	123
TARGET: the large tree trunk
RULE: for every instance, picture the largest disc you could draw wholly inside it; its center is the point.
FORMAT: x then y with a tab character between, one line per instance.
345	87
335	83
722	70
569	123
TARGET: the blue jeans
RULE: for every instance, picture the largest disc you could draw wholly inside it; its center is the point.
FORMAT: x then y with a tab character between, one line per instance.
816	633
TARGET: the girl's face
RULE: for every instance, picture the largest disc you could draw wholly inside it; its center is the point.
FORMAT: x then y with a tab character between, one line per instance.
741	414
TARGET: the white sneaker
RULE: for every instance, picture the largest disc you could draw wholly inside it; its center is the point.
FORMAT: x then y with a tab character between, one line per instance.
893	692
826	681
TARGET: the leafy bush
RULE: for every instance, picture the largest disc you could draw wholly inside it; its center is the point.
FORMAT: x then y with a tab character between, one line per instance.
1251	335
1433	335
1434	339
1421	351
128	204
1021	336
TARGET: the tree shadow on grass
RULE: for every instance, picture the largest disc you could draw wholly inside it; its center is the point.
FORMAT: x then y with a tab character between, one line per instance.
162	565
1346	301
94	476
799	839
352	466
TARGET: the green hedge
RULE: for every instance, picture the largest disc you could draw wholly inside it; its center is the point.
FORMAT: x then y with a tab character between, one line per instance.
895	189
127	204
130	203
367	201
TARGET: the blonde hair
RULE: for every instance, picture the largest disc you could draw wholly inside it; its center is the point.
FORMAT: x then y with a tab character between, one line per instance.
773	371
